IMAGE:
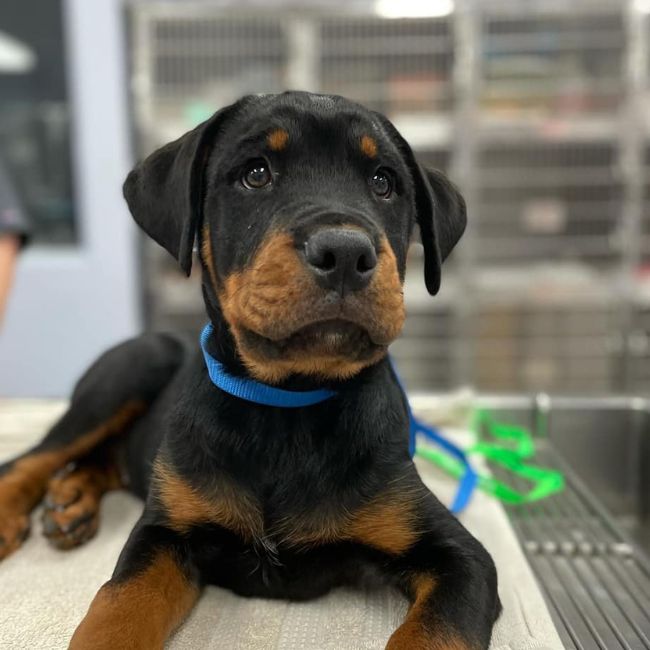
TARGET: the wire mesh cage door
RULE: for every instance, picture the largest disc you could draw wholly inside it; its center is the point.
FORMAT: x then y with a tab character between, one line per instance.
530	107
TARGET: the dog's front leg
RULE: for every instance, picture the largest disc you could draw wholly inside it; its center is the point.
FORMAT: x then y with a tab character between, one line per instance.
451	582
453	597
153	588
447	575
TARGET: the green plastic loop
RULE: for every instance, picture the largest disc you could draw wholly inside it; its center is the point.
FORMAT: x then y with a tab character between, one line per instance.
509	447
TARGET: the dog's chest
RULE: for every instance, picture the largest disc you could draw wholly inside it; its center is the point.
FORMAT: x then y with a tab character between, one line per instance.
286	553
287	517
262	569
280	479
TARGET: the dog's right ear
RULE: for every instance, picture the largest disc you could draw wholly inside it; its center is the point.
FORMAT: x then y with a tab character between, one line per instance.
165	191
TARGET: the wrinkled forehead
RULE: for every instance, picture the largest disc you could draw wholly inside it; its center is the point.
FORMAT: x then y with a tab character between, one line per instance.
297	124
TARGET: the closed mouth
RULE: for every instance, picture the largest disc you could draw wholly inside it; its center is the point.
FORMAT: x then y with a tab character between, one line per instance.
333	337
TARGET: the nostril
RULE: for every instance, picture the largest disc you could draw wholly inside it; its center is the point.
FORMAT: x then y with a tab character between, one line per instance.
320	257
328	262
366	262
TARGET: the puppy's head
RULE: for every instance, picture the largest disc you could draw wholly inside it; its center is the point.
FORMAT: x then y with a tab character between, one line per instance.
303	206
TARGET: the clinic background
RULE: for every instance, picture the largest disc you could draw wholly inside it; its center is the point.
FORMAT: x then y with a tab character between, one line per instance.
538	109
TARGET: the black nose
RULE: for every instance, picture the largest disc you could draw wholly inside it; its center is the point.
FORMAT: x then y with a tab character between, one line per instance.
341	259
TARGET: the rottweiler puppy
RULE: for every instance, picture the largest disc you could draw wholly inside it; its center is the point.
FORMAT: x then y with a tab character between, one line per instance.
303	207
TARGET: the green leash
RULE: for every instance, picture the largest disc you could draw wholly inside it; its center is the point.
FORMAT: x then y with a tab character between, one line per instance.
509	446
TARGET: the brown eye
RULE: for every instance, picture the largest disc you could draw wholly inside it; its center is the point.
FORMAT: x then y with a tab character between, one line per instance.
256	175
382	183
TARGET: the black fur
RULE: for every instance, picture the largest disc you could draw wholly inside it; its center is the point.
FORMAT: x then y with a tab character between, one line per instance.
330	458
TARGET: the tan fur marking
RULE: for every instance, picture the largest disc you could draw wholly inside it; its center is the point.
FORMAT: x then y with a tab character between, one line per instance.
277	291
388	524
422	587
23	485
313	529
274	371
269	292
186	506
277	139
139	613
368	146
206	254
415	632
385	293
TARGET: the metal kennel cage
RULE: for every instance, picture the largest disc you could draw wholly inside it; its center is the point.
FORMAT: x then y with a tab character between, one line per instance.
537	110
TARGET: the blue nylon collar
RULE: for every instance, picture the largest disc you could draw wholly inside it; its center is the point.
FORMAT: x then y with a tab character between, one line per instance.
254	391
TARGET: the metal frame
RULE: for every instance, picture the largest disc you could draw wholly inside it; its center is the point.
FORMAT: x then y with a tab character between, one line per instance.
606	292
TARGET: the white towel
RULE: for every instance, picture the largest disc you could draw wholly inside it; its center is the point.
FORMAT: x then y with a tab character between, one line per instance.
44	593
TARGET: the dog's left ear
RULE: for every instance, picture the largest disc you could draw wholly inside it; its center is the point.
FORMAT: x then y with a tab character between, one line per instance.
440	210
165	191
442	218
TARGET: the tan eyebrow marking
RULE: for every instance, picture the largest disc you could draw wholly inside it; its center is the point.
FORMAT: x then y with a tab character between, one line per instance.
368	146
277	139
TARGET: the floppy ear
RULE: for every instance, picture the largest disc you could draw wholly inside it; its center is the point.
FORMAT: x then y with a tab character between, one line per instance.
165	191
441	216
439	207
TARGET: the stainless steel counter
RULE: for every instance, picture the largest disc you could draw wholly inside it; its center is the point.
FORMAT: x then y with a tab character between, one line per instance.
589	546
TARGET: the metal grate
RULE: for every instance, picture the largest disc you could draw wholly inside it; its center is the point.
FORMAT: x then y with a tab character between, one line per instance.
575	348
189	60
423	352
226	55
638	343
645	218
391	67
546	62
595	582
541	202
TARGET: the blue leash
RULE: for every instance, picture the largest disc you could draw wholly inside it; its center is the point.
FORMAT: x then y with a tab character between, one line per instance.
258	393
470	478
